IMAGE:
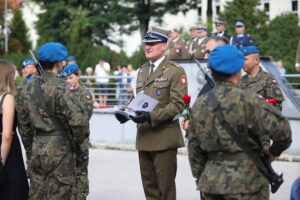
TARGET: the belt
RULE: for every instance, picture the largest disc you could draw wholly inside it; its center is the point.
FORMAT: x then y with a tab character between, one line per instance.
228	156
51	133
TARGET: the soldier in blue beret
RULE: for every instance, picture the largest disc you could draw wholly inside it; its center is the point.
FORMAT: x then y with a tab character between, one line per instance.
259	81
219	164
51	120
71	74
71	60
220	27
29	69
241	39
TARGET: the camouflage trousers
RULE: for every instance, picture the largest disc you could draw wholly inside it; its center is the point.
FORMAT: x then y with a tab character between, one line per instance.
262	194
81	189
52	177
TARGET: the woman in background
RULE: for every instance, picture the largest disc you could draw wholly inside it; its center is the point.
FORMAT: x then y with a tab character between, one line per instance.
15	185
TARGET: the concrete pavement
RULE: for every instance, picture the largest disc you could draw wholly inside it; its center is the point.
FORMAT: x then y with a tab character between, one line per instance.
114	175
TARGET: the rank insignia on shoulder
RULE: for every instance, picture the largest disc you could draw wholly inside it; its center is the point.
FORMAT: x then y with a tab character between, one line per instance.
72	89
161	79
88	97
274	81
183	80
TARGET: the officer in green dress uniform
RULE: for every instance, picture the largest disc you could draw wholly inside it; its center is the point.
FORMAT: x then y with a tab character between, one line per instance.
259	81
158	136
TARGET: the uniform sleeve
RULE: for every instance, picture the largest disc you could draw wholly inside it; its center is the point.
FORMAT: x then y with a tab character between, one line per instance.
273	91
268	124
175	106
76	115
197	156
24	124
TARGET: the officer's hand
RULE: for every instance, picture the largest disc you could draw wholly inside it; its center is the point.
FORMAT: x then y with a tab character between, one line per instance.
185	124
141	117
265	152
120	117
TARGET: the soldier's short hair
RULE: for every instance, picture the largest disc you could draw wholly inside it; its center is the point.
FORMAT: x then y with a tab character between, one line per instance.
219	39
47	65
219	75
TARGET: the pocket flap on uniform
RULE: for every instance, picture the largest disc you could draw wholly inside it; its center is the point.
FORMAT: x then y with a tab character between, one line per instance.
68	180
161	84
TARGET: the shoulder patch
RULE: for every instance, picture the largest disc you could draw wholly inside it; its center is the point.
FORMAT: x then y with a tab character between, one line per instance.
274	81
72	89
172	63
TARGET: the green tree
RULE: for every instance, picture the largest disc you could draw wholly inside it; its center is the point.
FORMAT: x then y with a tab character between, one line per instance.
255	19
138	58
18	33
282	40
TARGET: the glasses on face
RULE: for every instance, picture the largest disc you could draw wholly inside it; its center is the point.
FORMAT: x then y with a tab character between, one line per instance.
151	44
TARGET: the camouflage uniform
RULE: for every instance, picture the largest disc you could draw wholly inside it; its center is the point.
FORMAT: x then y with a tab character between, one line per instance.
51	159
82	181
222	169
265	85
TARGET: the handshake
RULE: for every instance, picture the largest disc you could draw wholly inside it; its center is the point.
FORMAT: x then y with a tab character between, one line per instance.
139	117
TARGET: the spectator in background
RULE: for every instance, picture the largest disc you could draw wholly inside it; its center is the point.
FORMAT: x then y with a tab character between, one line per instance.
220	27
295	192
124	85
176	47
201	42
118	71
192	42
102	70
297	65
89	84
280	67
71	60
241	39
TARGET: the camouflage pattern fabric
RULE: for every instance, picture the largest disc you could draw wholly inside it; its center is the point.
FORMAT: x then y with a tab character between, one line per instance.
81	170
264	84
51	160
245	112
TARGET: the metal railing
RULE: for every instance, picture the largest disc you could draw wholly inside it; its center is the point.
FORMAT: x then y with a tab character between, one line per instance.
293	79
111	92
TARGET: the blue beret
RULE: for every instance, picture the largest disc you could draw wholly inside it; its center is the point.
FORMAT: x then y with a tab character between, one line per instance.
249	50
219	22
70	58
156	34
226	59
239	23
69	70
201	29
28	62
52	52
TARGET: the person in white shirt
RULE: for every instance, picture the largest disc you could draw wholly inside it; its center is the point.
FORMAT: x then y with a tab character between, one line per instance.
102	70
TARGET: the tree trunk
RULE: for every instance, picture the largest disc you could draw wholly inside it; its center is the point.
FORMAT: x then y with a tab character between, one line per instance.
144	19
143	27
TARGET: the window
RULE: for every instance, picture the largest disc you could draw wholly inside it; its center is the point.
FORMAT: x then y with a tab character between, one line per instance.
266	7
218	9
200	10
294	5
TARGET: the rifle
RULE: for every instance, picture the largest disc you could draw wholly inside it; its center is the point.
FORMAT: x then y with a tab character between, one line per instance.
260	162
37	65
209	80
68	136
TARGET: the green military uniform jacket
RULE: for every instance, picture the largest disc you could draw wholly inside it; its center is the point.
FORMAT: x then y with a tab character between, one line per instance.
200	49
167	84
86	99
64	104
265	85
246	113
176	49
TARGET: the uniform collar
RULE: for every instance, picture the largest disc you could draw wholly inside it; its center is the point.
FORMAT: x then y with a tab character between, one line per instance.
49	75
157	63
225	83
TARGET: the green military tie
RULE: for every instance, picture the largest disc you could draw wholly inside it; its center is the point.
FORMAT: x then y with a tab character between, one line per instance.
151	70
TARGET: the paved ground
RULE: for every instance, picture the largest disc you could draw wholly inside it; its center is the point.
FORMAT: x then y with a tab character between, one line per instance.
114	175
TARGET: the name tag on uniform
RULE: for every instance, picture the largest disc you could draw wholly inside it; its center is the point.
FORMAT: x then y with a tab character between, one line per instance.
161	79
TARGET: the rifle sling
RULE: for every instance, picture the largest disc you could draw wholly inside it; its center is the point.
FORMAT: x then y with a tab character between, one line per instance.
237	138
43	105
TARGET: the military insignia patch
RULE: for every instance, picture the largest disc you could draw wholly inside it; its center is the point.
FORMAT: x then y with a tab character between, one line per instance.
158	92
278	92
261	97
274	81
72	89
183	80
88	97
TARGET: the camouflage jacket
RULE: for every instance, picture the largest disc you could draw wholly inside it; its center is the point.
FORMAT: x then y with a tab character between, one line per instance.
86	99
63	103
245	112
264	84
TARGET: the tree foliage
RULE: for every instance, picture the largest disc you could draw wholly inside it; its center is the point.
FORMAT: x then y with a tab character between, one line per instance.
18	33
255	19
282	40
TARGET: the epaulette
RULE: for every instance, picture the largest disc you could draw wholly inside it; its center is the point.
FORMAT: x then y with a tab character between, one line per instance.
174	63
